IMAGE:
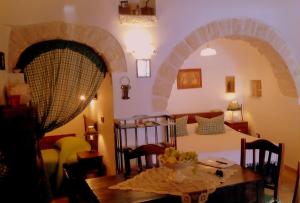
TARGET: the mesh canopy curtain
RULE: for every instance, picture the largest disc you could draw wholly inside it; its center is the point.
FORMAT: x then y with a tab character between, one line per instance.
64	76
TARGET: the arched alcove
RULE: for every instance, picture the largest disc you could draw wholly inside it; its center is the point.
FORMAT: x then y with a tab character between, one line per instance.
258	34
103	42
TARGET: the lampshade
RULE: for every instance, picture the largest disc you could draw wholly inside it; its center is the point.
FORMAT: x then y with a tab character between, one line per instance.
233	106
91	130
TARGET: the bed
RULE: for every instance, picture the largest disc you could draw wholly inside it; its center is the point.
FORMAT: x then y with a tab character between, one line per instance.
223	145
58	150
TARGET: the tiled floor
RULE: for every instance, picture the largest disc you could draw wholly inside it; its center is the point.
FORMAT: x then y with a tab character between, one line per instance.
285	193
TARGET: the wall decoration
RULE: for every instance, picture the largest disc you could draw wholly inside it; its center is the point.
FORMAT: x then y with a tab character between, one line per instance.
189	78
256	88
230	84
2	61
143	68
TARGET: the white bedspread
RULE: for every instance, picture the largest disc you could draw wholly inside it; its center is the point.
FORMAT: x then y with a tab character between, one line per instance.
226	145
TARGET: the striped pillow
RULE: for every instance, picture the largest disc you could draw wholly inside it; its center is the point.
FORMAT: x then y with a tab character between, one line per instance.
181	129
208	126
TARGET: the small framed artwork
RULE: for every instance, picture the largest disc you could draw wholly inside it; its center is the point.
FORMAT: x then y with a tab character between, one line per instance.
230	84
256	88
189	78
2	61
143	68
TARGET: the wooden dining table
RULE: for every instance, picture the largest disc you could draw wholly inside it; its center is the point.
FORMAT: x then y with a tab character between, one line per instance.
244	186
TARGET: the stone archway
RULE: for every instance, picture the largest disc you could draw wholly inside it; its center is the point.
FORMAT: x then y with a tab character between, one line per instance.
100	40
258	34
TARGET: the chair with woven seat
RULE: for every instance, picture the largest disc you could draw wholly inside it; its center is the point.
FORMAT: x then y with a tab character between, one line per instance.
146	151
267	165
296	197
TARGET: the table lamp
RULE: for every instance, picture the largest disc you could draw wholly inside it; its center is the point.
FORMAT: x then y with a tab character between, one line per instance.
234	106
92	137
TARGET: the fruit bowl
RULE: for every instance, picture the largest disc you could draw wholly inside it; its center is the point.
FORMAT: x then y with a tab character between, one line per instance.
178	165
174	159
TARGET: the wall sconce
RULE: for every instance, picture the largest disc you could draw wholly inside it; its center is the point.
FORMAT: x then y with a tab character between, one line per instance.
125	86
143	68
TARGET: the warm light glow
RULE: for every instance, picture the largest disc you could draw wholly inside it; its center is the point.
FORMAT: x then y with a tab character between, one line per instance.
92	109
69	11
82	98
230	96
93	103
139	42
233	106
208	52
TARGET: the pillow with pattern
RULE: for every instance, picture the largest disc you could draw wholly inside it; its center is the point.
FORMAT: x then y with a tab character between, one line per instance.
207	126
181	129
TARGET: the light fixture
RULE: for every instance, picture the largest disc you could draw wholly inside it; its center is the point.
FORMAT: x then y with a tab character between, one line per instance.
125	86
234	106
207	51
82	98
91	135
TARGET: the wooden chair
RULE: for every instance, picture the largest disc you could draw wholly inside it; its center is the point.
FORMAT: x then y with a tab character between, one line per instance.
264	165
146	151
296	197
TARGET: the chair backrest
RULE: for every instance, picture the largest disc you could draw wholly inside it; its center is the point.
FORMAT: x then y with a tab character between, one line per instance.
269	167
296	197
142	151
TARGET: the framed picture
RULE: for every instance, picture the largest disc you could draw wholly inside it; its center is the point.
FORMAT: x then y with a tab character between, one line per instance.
189	78
256	90
143	68
2	61
230	84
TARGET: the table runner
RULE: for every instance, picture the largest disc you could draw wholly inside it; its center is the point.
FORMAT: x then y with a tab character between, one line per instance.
191	183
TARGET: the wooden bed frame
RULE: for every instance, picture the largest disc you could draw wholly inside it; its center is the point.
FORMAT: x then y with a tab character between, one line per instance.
191	116
47	142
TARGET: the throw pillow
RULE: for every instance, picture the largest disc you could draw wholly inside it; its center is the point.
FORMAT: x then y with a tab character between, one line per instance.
181	129
70	143
208	126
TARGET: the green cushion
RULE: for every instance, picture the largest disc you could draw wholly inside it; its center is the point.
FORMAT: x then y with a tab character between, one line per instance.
208	126
181	129
71	143
50	158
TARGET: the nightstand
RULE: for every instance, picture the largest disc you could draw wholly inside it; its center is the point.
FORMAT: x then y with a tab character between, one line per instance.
241	126
91	163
